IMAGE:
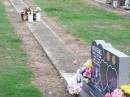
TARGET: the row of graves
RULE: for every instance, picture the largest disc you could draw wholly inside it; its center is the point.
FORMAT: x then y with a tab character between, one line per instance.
31	15
116	3
106	74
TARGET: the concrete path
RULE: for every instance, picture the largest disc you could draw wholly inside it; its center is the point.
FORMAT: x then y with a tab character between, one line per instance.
61	57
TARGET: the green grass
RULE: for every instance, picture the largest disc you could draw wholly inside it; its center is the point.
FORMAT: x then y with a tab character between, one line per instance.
89	23
15	75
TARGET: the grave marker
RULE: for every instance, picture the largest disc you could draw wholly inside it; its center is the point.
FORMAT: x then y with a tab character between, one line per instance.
111	69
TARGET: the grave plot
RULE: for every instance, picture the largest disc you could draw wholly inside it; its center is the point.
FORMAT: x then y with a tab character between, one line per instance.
110	70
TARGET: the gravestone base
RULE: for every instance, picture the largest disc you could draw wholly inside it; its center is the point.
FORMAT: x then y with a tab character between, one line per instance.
84	94
88	90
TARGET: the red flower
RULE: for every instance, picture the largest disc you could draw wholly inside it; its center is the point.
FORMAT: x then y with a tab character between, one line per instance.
108	95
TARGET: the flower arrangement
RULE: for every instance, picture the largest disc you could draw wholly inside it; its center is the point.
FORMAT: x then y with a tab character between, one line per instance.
87	72
75	84
38	9
74	88
108	95
123	91
126	89
116	93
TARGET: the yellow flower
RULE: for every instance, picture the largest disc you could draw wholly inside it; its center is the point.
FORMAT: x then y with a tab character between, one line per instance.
129	85
88	64
127	91
124	87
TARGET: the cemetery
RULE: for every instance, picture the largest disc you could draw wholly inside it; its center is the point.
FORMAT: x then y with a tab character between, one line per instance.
37	61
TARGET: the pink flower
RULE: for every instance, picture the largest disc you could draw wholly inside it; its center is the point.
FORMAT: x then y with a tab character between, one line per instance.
108	95
88	72
117	93
74	88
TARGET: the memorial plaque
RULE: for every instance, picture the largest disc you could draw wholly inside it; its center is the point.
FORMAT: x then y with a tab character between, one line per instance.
111	69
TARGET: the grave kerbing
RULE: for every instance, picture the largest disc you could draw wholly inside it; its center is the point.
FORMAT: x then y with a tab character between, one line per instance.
111	69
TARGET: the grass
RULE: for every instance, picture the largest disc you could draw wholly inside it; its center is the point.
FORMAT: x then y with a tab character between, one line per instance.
88	23
15	75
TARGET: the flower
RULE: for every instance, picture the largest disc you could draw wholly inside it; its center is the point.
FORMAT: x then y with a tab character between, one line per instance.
88	72
126	89
117	93
74	89
82	69
38	8
108	95
88	64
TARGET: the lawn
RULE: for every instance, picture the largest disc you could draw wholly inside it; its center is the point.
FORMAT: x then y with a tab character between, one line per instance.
15	75
88	23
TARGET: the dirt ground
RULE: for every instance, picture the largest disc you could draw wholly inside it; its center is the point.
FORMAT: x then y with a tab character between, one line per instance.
45	76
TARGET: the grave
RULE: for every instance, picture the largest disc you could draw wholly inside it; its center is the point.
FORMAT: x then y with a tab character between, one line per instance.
113	3
110	70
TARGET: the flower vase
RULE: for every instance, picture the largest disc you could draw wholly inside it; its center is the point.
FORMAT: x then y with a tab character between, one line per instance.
30	17
38	16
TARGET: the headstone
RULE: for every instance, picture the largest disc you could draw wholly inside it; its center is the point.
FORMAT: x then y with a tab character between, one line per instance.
127	2
110	70
115	3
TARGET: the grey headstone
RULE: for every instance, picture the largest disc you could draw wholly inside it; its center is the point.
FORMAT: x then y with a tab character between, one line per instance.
111	69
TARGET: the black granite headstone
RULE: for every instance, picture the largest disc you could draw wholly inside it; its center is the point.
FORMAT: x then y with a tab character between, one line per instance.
109	66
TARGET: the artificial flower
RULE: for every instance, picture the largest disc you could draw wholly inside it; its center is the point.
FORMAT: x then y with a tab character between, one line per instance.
126	89
108	95
117	93
88	64
88	72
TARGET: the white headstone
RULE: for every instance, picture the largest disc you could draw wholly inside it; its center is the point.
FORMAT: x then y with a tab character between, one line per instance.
115	4
127	3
